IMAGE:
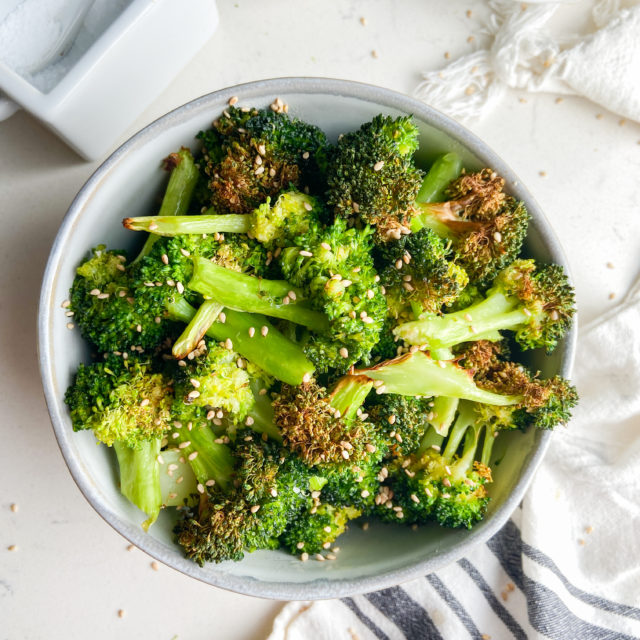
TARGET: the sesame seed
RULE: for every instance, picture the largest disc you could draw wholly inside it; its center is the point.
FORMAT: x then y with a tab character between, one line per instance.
374	54
581	542
192	456
306	254
408	286
249	421
155	566
378	165
65	304
344	352
398	264
319	557
347	283
172	467
210	482
326	246
356	207
447	469
446	496
185	444
259	171
292	295
435	447
380	390
300	545
70	325
182	363
14	508
285	300
391	419
345	454
12	547
120	613
180	287
612	296
233	100
447	55
470	90
365	526
415	498
470	39
542	173
160	459
240	363
304	556
306	377
255	508
446	482
370	448
363	21
192	395
144	402
228	344
364	493
194	382
526	312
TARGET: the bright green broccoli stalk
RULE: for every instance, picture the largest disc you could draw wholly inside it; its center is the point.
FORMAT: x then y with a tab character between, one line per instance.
335	270
273	225
253	155
271	487
177	197
316	529
417	374
371	175
418	276
276	298
486	226
536	303
444	170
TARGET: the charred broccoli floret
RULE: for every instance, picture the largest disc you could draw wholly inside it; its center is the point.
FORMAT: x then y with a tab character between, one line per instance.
536	303
485	225
371	175
253	155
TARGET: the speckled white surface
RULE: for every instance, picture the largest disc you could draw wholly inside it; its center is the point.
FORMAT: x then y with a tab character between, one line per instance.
71	572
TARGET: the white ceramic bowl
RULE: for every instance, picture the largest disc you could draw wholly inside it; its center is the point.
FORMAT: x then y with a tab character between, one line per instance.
128	184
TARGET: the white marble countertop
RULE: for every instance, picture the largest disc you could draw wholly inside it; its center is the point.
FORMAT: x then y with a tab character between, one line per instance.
71	573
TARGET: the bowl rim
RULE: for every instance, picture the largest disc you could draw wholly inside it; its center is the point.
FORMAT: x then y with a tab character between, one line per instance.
320	588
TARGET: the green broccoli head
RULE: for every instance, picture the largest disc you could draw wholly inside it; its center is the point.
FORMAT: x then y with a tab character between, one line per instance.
403	420
335	268
317	528
105	307
121	400
371	175
213	379
255	154
418	276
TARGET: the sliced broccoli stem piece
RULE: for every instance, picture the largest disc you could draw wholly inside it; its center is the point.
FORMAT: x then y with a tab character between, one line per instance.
212	460
177	197
430	440
198	326
197	224
481	321
268	348
444	170
174	493
349	395
140	476
444	411
416	374
247	293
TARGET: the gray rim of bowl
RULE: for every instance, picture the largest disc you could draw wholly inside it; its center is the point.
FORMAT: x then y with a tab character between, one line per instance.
321	588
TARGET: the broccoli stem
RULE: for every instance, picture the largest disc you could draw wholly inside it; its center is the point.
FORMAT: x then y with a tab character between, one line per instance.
248	293
481	321
179	225
349	395
273	353
444	412
174	493
262	414
213	460
444	170
204	317
177	197
416	374
140	476
431	439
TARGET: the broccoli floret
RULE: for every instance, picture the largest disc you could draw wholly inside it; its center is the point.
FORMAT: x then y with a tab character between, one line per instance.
126	405
371	175
316	529
537	303
120	400
271	487
439	483
486	226
387	345
255	155
403	420
418	276
277	224
354	483
335	268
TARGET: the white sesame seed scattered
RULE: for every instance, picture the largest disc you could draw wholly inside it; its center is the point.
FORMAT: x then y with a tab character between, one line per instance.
210	482
319	557
262	149
378	165
497	236
255	508
304	556
345	454
292	295
285	300
408	286
240	363
182	363
307	206
192	456
446	482
249	421
306	377
70	325
399	264
300	545
228	344
252	332
184	252
65	304
120	613
415	498
259	171
344	352
526	312
306	254
258	160
193	394
364	493
185	444
327	529
180	287
195	382
155	566
144	402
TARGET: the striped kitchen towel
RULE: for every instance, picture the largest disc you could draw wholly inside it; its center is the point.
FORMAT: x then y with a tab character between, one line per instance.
567	564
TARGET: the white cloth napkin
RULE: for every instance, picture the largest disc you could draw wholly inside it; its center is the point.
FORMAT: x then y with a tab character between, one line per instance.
567	565
603	66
